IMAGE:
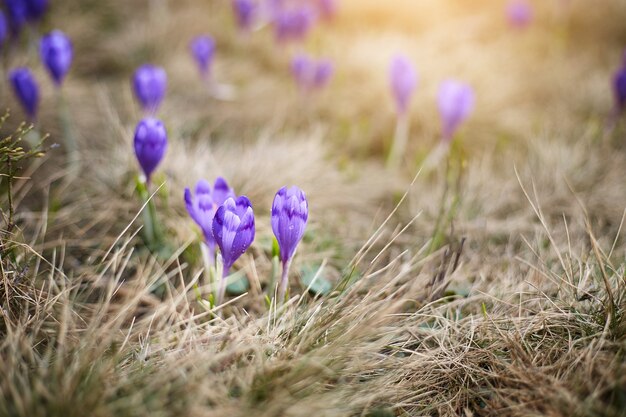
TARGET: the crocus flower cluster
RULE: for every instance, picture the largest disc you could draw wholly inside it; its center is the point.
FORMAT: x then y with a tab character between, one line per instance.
56	54
202	49
619	87
21	11
228	222
403	81
149	85
519	13
311	74
456	102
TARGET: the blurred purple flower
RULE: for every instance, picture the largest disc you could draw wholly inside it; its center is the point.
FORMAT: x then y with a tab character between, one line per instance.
246	12
4	28
233	229
456	102
36	9
56	54
150	144
293	24
326	8
26	90
203	50
619	87
403	80
16	14
204	204
519	13
149	84
311	74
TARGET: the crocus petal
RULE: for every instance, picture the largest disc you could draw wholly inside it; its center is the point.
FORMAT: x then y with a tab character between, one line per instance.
221	191
245	233
233	228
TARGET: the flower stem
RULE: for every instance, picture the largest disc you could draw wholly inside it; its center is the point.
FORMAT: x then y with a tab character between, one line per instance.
222	290
284	280
400	140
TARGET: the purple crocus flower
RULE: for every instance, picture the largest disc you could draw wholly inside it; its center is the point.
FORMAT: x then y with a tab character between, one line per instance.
456	102
519	13
36	9
16	14
311	74
246	12
293	24
149	84
619	87
203	205
290	212
150	144
4	28
233	229
26	90
403	80
203	50
56	54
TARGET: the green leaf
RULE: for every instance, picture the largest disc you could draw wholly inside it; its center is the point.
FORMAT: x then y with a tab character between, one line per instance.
312	278
275	248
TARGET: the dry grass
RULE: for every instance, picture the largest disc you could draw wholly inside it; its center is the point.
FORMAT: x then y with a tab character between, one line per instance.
514	306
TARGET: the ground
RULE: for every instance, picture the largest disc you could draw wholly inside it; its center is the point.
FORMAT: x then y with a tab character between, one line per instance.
490	283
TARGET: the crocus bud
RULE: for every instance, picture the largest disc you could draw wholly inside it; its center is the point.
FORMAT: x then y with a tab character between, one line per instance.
26	90
56	54
619	87
150	144
290	212
233	229
36	9
246	12
293	24
4	28
203	49
519	13
203	205
150	83
403	80
456	102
